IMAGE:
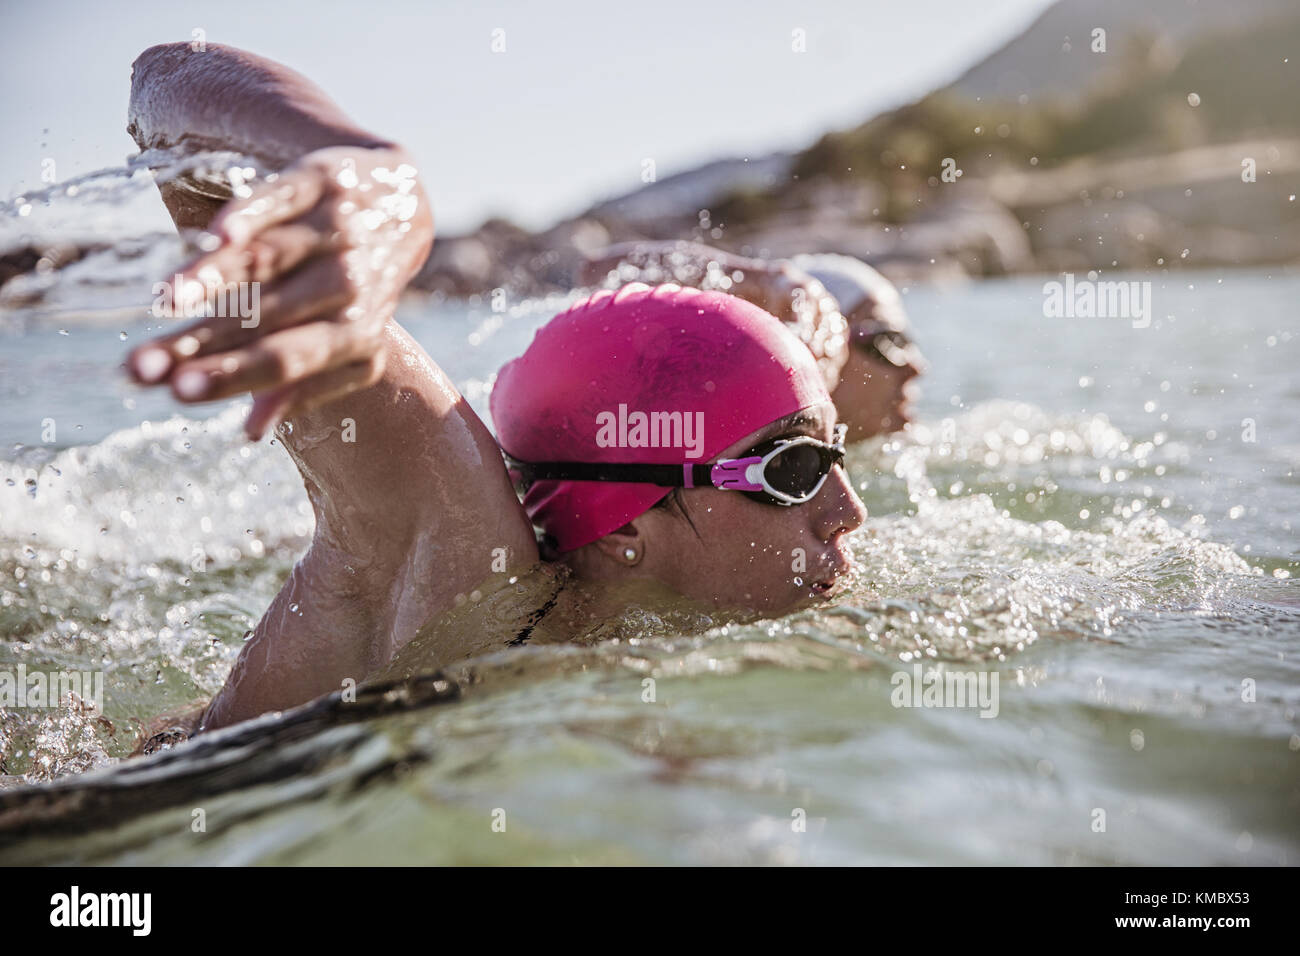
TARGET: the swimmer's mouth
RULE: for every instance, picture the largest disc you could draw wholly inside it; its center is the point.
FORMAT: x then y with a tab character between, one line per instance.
826	592
831	584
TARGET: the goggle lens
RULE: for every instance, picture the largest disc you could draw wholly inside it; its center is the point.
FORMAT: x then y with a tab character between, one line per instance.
797	470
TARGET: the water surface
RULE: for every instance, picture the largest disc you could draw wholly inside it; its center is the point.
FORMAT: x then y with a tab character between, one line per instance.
1079	509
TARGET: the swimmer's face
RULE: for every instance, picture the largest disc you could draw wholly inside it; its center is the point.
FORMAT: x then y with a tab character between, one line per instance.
873	395
729	550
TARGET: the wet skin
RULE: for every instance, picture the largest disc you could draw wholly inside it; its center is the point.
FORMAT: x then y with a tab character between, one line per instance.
874	395
417	508
727	550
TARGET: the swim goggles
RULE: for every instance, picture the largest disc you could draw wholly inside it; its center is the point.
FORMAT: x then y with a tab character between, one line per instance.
781	471
884	343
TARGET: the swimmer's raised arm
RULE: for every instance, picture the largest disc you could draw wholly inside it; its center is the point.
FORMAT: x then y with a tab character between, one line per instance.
330	243
222	98
409	490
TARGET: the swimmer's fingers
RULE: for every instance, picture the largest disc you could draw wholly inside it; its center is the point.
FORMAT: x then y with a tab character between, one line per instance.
268	255
284	358
291	195
324	286
271	408
232	271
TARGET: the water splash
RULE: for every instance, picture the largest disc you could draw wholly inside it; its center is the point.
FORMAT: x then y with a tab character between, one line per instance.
112	232
153	551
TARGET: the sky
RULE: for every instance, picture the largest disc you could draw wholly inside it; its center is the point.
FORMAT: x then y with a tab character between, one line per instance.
582	94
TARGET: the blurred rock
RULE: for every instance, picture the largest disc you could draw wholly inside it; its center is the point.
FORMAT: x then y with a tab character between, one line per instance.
42	259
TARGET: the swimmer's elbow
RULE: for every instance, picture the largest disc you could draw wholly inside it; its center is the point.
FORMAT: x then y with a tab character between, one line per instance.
159	71
159	52
154	64
163	58
148	70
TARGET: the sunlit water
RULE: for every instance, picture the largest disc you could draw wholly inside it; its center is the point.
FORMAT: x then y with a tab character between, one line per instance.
1101	515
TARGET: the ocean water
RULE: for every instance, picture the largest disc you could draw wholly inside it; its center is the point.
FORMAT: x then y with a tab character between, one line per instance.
1100	515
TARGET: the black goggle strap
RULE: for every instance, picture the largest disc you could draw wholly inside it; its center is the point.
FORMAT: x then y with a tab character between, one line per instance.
722	474
729	474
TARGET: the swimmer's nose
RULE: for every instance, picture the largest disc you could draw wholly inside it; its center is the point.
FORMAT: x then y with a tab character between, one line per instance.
843	511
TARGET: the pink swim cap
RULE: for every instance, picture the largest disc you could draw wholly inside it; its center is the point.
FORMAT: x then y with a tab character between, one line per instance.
665	350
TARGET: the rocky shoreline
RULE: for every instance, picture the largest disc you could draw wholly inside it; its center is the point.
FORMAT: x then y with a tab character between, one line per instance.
1046	157
1189	208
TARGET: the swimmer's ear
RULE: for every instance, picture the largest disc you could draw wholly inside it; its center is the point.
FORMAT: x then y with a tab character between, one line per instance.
626	546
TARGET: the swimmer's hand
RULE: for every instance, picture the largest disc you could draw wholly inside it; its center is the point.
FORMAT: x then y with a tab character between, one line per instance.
324	250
